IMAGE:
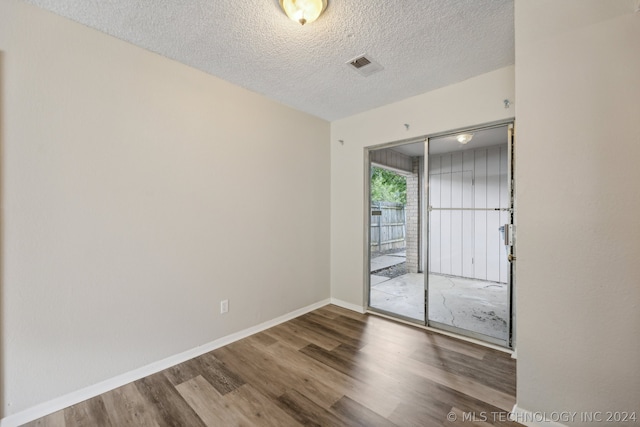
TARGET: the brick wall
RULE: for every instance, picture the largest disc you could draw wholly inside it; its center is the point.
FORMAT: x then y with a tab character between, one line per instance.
412	210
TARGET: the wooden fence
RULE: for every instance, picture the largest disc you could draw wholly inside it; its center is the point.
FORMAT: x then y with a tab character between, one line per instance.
387	226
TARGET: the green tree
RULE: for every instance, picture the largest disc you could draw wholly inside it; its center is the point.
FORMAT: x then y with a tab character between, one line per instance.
388	186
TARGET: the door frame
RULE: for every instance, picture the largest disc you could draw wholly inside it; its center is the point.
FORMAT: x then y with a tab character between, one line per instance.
424	252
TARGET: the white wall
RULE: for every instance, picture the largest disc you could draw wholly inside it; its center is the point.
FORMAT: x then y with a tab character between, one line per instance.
474	101
138	193
577	156
469	243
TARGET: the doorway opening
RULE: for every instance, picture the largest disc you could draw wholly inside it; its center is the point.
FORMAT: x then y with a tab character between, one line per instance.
441	232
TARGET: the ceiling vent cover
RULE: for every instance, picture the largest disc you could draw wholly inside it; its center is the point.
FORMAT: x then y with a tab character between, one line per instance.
360	62
365	65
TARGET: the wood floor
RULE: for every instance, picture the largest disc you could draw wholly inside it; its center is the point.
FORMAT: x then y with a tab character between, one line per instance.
330	367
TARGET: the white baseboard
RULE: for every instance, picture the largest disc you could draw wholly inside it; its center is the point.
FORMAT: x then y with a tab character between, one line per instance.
81	395
532	419
348	305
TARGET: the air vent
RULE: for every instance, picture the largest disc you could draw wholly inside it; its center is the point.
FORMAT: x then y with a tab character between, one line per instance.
360	62
364	65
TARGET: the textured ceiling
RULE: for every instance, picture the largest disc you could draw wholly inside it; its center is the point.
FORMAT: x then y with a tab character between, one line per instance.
422	44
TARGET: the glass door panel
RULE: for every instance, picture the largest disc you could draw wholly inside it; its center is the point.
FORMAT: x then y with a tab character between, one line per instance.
396	282
469	210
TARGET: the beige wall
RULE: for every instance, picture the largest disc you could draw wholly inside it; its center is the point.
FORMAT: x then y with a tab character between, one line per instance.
137	194
578	154
474	101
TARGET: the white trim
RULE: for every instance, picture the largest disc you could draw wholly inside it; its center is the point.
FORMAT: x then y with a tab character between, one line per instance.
349	306
514	355
531	419
81	395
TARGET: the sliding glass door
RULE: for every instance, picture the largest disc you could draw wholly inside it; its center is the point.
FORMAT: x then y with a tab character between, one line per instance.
469	233
440	232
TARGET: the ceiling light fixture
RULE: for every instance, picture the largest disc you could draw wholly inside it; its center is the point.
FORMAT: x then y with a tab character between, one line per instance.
463	138
303	11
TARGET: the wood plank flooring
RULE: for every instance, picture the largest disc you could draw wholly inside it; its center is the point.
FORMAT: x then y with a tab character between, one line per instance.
330	367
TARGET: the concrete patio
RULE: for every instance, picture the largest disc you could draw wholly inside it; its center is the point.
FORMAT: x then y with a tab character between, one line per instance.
473	305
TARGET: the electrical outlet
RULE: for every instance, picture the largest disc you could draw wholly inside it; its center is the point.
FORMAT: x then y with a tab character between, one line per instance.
224	306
